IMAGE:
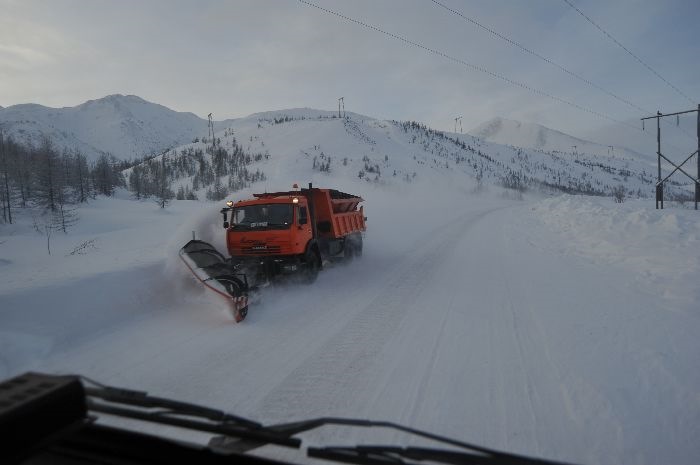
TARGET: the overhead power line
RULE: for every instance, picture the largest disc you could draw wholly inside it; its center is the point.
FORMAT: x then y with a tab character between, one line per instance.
541	57
607	34
547	60
470	65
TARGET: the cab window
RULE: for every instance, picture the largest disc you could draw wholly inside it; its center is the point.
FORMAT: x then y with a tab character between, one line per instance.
301	214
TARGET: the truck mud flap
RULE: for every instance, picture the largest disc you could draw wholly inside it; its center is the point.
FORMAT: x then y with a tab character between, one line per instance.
213	270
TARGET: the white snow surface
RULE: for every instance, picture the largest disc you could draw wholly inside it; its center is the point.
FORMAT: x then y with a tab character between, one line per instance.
566	328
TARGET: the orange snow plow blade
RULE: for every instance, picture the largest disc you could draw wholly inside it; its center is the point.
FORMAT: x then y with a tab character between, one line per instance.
213	270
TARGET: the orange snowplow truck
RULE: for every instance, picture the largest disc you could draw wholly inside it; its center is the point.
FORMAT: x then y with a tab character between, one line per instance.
293	232
276	234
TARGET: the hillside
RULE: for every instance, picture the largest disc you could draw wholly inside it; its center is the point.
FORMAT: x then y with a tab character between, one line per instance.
534	136
124	125
309	144
312	142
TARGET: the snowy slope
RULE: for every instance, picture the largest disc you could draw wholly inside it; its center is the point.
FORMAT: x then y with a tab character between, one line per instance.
128	126
535	136
300	142
124	125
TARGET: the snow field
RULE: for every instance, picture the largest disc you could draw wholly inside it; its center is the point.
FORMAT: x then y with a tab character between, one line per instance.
660	248
518	325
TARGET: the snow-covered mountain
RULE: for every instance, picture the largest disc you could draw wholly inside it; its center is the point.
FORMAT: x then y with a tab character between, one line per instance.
124	125
534	136
312	142
310	145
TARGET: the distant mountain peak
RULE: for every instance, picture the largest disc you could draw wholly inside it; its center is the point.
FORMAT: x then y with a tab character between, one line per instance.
524	134
118	97
126	126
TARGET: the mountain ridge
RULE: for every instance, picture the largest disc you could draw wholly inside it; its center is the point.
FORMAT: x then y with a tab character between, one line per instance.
127	126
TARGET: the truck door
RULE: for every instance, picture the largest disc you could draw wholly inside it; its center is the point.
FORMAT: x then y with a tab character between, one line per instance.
303	222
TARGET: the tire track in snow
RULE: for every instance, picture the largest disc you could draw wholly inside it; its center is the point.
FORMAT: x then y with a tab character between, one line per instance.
516	327
329	381
421	391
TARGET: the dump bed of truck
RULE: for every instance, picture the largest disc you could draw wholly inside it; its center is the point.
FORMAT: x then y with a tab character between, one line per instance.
336	213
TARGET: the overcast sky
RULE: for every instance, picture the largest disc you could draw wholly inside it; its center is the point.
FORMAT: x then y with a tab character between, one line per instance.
234	58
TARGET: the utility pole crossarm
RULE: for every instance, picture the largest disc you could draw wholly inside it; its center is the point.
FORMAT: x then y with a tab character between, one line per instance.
663	115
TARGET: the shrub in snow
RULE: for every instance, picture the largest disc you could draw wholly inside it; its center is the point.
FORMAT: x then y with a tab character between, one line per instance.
619	194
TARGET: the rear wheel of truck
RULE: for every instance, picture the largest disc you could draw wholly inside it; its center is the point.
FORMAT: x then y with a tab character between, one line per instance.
353	247
349	250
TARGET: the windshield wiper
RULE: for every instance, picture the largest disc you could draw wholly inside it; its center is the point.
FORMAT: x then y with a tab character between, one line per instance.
139	405
383	455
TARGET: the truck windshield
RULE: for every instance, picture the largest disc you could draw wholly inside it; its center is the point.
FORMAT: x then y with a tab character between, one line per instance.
264	216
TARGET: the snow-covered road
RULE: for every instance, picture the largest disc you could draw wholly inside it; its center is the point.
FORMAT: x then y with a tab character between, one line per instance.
471	324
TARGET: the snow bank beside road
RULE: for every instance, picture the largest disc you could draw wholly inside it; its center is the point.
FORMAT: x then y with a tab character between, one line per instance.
660	248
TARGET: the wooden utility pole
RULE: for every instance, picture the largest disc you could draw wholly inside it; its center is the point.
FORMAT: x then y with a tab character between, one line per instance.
341	100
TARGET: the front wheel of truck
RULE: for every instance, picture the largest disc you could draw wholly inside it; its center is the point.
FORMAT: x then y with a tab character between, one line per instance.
312	266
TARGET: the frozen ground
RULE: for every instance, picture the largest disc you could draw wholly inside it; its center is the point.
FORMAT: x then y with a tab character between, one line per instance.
566	328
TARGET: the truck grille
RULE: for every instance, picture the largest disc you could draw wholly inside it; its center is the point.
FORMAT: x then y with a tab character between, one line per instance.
261	250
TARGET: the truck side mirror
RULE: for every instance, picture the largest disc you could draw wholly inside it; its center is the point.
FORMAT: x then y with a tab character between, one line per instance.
224	212
303	218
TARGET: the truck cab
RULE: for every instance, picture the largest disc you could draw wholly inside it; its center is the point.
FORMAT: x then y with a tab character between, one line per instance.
277	226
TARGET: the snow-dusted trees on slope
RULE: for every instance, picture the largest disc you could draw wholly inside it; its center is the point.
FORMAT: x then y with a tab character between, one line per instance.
216	168
42	177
